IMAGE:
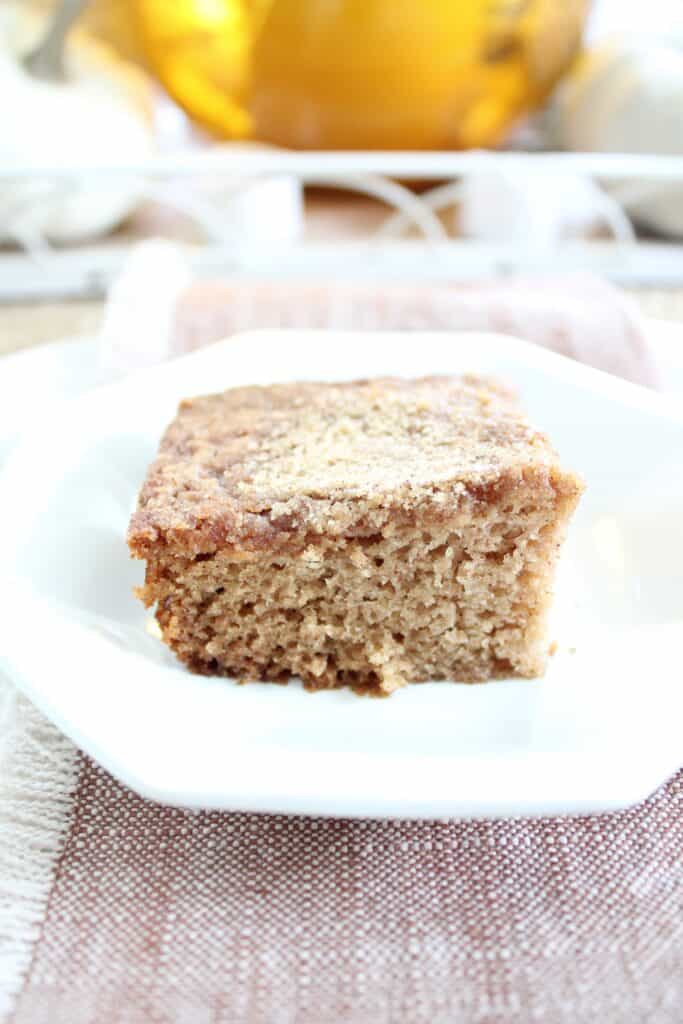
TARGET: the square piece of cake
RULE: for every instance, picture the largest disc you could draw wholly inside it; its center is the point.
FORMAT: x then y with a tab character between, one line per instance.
368	533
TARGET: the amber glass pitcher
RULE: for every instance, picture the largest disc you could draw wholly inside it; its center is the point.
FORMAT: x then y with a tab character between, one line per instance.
360	74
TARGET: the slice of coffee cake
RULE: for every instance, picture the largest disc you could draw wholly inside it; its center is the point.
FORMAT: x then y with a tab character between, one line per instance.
368	533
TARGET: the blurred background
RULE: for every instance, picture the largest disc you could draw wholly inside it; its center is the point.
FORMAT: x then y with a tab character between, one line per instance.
345	138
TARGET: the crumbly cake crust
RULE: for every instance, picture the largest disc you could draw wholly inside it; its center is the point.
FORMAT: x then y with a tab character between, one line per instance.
277	466
365	532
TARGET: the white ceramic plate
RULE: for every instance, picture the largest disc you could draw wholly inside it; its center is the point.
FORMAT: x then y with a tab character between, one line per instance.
600	731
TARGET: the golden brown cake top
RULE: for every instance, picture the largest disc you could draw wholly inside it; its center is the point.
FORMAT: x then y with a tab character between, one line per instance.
257	467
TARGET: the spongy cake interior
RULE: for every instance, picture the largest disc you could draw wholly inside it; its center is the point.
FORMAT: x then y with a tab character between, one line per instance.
464	598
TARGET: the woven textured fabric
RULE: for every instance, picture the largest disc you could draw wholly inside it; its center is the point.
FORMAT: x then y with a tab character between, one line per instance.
165	916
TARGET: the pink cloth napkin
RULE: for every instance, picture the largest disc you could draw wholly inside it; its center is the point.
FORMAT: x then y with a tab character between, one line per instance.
163	916
578	316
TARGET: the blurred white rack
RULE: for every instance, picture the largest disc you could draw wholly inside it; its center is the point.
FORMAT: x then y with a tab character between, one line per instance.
326	165
87	270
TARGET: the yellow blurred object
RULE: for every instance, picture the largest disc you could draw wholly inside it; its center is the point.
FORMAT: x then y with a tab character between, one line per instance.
378	74
200	51
115	22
